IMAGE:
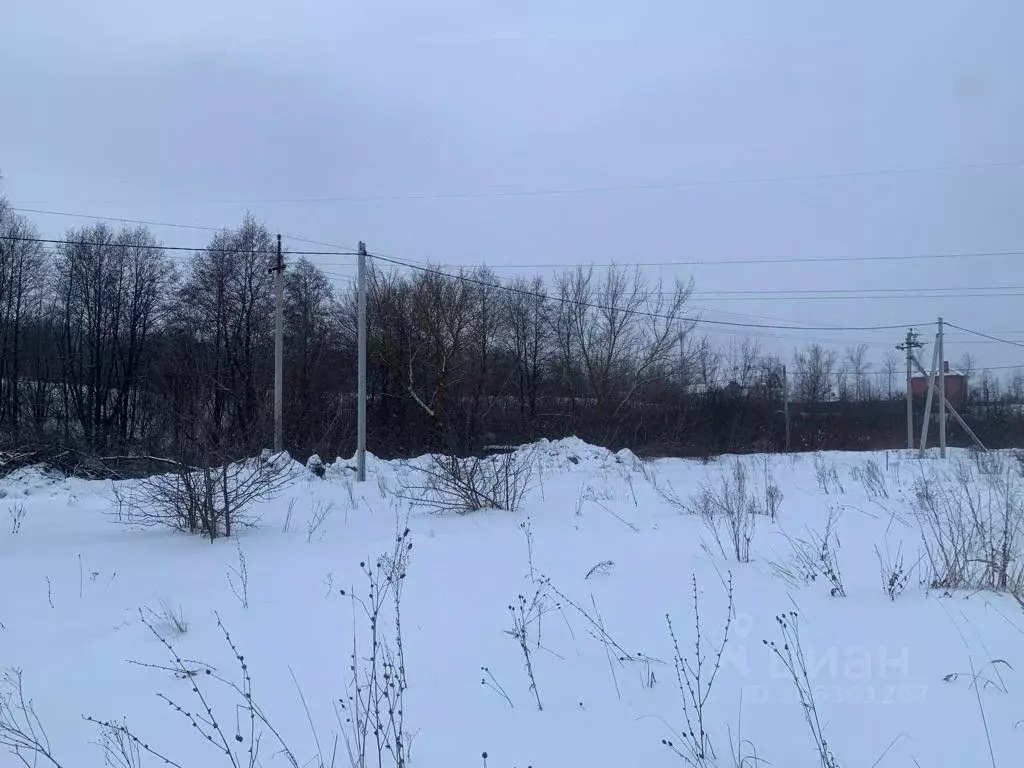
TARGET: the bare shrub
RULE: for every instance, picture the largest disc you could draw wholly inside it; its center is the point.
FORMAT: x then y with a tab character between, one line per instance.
971	525
603	499
322	510
17	513
450	483
695	678
238	578
288	517
772	500
596	627
209	500
1017	586
663	488
733	506
527	530
873	479
895	575
791	653
988	676
827	476
21	731
236	747
772	491
168	619
119	751
372	714
526	613
743	752
814	556
13	460
602	568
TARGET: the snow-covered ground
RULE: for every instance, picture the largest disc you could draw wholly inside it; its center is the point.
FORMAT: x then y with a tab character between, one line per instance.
927	678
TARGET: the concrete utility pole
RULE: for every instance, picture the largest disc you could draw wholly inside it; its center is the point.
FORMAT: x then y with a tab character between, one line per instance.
278	270
940	341
785	403
361	368
932	389
909	345
959	419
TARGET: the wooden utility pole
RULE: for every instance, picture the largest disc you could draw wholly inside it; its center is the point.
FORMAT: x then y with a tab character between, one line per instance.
361	367
909	345
278	270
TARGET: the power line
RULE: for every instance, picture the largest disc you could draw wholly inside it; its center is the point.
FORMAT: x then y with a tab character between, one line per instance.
643	313
350	251
347	250
811	296
208	249
987	336
743	331
117	219
754	261
618	188
830	294
866	290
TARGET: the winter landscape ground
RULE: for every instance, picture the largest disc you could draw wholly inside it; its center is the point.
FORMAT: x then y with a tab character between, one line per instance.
530	638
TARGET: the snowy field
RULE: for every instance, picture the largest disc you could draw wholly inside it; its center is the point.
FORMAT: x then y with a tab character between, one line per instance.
539	637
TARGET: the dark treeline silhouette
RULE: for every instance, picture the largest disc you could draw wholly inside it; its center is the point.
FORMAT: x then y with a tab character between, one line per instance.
111	345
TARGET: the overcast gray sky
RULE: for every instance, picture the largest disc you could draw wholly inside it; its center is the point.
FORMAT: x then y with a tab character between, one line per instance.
550	132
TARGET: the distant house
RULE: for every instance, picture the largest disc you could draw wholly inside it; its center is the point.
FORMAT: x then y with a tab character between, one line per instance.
956	385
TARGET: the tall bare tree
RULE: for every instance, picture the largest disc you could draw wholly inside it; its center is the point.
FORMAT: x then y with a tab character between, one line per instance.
815	370
313	365
22	283
531	340
859	367
226	304
890	368
621	329
110	290
441	308
968	366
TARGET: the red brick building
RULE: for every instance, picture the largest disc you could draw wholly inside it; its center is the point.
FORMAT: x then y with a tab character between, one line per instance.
956	385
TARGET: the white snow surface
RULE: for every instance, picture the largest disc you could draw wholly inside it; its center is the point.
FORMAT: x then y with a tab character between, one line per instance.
893	680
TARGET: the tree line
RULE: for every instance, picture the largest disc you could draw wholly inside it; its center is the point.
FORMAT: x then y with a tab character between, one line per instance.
111	344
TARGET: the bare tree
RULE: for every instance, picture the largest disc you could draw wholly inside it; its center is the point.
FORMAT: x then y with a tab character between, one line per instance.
226	308
441	310
110	287
708	363
22	275
1015	386
890	368
314	369
857	360
742	360
968	365
487	333
621	330
530	339
815	368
